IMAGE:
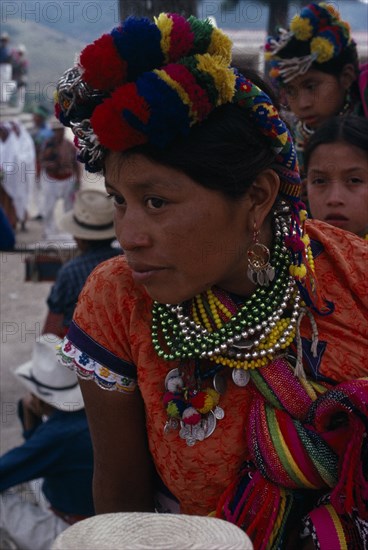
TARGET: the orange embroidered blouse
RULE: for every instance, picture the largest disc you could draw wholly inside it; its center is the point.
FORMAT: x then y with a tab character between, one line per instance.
110	341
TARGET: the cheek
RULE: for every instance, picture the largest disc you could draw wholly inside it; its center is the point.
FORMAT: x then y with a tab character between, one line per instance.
316	199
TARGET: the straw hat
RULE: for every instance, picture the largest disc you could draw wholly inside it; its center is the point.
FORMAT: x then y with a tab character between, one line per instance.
47	379
144	531
91	218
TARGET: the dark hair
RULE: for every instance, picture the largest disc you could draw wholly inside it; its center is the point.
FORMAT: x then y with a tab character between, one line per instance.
226	152
350	129
334	67
299	48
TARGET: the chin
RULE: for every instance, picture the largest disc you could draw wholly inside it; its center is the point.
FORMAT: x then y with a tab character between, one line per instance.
165	296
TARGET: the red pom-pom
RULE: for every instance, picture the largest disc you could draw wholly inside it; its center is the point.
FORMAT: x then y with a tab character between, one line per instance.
191	416
198	400
103	67
112	130
169	396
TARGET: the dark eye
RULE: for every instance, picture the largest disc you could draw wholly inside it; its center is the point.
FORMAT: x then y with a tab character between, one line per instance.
154	203
311	86
118	200
355	180
291	92
318	181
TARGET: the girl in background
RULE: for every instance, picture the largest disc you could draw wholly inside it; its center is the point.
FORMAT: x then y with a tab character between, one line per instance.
315	65
336	163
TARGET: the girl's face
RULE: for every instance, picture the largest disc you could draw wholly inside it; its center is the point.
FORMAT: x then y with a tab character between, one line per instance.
315	96
179	238
337	185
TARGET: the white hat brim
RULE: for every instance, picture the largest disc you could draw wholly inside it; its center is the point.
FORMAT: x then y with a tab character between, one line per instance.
145	531
68	224
68	400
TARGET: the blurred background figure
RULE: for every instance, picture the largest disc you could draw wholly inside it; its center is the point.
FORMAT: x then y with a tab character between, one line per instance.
17	154
336	162
91	224
60	175
55	459
7	234
5	51
41	132
19	64
7	85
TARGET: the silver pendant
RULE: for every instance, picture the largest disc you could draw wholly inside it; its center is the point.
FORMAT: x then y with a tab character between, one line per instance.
219	383
243	344
200	431
219	412
240	377
173	373
171	425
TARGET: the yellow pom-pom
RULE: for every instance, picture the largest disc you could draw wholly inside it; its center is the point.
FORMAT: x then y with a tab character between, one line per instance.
323	48
267	56
165	25
301	27
292	270
306	239
172	410
301	271
303	215
220	45
215	396
224	78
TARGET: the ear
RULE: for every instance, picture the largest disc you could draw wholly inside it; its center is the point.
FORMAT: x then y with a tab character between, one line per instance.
262	194
347	76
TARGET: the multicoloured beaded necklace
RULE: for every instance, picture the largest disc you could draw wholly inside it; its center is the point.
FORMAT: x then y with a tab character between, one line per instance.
219	330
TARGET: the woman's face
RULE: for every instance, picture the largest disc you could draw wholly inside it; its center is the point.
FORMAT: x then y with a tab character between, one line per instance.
337	184
315	96
179	238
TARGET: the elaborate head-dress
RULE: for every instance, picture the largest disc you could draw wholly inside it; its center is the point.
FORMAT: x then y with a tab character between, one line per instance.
317	38
150	83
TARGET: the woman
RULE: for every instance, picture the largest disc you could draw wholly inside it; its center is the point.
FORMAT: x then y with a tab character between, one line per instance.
338	189
316	65
219	288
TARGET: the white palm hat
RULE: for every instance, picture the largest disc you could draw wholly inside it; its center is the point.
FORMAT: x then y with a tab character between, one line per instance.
144	531
46	378
92	216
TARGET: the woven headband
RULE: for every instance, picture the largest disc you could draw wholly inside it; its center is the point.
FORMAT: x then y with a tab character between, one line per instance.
319	29
151	82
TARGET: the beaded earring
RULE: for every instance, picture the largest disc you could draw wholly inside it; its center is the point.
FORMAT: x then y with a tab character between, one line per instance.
260	271
347	103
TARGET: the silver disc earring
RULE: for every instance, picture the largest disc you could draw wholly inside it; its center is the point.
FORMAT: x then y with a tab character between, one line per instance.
260	271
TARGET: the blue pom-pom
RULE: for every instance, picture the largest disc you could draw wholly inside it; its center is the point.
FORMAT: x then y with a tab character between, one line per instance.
138	42
169	115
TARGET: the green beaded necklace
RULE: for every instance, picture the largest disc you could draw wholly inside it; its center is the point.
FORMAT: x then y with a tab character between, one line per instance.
175	335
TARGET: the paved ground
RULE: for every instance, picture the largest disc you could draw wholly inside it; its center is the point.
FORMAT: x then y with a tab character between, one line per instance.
22	312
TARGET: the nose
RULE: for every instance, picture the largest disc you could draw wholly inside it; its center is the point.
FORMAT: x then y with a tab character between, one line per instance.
335	194
131	231
304	99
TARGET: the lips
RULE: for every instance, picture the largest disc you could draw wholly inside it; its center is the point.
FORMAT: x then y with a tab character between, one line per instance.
142	273
338	220
310	120
336	217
